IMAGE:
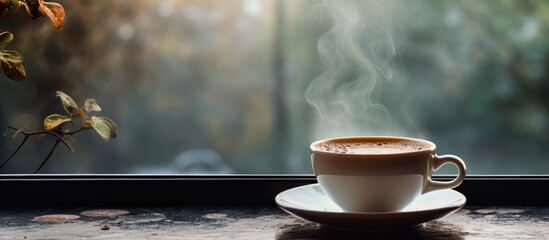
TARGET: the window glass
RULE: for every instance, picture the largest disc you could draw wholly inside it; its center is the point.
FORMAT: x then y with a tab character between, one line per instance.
244	86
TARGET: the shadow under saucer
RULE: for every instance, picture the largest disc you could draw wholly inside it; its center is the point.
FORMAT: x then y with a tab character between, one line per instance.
430	230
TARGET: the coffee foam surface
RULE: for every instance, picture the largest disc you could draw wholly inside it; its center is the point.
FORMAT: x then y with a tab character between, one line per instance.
373	147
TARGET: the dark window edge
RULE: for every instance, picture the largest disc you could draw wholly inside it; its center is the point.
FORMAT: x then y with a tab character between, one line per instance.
219	190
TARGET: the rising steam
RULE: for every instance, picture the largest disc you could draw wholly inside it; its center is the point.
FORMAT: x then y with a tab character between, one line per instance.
356	53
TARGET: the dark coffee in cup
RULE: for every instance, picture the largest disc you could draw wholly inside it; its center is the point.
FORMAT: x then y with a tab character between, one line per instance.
379	146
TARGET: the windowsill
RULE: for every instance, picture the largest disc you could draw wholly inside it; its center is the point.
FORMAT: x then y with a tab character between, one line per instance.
242	206
261	223
248	190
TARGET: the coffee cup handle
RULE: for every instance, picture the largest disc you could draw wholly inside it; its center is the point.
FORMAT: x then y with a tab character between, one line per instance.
438	161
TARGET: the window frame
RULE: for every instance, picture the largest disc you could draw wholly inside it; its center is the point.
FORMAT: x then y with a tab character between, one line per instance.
50	190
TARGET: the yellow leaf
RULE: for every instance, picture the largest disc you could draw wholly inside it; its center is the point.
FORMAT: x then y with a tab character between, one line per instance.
111	124
5	38
8	7
12	64
68	103
91	105
55	120
100	127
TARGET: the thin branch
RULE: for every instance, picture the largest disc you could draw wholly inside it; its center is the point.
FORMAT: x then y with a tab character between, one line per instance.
27	135
56	135
60	138
16	150
32	8
49	155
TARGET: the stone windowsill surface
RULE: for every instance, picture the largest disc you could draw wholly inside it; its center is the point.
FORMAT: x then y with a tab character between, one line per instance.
254	223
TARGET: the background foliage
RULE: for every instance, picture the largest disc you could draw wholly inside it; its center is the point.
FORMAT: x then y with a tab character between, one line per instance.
220	86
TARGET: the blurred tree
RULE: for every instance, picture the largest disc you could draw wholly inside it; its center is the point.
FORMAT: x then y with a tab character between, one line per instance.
230	76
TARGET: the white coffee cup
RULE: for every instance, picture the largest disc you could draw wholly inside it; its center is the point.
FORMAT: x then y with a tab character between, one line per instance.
379	174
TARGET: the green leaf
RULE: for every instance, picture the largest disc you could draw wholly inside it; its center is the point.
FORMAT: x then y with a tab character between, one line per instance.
55	120
91	105
5	38
111	124
68	103
12	64
8	7
100	127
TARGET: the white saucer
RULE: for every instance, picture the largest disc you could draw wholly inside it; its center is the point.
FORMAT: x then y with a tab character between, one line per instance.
309	202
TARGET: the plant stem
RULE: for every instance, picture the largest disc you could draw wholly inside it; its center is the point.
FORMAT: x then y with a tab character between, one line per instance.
49	155
16	150
58	138
32	8
26	133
